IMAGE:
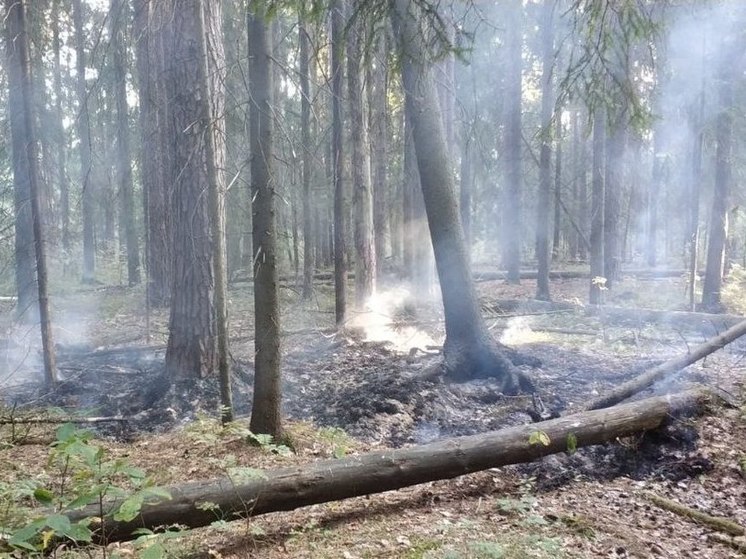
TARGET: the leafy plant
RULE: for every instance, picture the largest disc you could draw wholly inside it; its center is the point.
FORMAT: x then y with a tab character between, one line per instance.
85	476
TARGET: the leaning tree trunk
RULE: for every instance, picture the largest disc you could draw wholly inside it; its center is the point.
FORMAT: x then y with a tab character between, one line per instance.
469	349
21	106
375	472
265	411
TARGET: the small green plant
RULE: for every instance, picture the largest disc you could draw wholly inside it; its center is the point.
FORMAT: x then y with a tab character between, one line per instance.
84	476
337	439
487	550
539	438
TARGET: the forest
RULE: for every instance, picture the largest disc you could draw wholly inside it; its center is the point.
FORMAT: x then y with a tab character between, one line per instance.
422	279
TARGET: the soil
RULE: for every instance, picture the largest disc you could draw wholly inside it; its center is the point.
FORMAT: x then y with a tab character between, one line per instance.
348	393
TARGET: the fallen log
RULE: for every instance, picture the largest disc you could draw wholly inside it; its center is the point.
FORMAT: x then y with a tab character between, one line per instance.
200	503
578	274
62	420
641	382
699	321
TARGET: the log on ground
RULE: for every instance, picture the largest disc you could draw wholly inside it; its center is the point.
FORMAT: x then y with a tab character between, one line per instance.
200	503
646	379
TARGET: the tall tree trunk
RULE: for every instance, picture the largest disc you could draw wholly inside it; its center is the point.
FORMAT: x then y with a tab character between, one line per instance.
337	73
215	154
694	193
511	233
657	185
84	136
557	233
377	96
305	126
156	146
191	351
469	349
718	233
61	141
119	17
582	177
362	197
265	411
598	280
615	153
467	185
20	108
25	268
543	206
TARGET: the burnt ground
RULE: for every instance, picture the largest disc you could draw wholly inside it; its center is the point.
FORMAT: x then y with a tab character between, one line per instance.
371	391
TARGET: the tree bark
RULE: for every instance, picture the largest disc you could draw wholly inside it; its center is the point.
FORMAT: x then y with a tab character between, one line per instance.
265	410
641	382
469	349
191	351
375	472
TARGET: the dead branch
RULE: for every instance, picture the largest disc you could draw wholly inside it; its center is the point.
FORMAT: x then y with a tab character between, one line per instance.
718	523
641	382
59	420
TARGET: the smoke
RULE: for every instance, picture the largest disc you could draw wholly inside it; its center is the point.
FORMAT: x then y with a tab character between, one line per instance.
384	320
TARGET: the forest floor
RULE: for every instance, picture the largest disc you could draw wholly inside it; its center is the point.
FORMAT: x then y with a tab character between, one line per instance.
358	392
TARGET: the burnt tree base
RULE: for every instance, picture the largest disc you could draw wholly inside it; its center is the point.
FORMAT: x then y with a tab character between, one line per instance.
199	503
487	358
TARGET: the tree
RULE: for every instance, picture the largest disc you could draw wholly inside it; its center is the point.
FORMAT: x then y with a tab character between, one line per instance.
337	157
305	124
26	163
119	20
191	351
62	178
718	232
598	281
545	154
265	411
84	146
362	196
156	148
469	349
511	230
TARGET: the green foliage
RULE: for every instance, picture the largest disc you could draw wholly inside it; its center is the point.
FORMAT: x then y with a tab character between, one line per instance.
83	475
572	443
209	431
337	439
539	437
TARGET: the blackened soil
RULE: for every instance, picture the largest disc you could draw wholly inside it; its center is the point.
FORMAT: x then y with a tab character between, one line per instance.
374	394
